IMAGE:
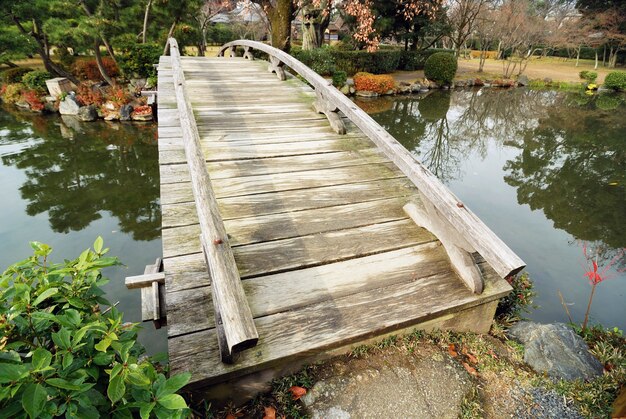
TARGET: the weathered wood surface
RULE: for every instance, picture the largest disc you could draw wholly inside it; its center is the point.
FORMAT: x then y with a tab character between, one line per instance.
326	253
236	323
465	222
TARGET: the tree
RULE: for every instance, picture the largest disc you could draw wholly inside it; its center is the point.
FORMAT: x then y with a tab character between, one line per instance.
462	15
14	46
315	18
607	21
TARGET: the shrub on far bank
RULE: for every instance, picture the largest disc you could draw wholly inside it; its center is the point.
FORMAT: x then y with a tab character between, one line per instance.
615	80
373	83
36	80
88	69
137	60
588	76
339	78
14	75
12	93
440	67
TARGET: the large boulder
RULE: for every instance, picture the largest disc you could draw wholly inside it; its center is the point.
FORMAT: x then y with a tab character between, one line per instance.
125	111
88	113
556	350
523	80
69	105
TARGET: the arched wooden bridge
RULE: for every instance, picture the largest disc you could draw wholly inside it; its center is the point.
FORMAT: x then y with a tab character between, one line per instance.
295	226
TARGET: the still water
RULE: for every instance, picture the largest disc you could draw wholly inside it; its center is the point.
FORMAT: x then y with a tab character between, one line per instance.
64	183
545	170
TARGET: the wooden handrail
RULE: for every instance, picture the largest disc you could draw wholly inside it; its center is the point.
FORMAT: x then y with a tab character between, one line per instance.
234	319
464	222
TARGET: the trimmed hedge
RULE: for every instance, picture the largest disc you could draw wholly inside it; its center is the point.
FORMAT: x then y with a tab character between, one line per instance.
14	75
380	83
440	67
615	80
326	61
36	80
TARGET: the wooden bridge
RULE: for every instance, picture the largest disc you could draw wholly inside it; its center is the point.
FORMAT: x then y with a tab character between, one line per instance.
295	226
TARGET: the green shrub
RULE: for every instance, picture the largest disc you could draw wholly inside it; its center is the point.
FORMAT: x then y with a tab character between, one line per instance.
615	80
36	80
319	59
60	355
415	60
339	78
440	67
588	76
137	60
14	75
379	62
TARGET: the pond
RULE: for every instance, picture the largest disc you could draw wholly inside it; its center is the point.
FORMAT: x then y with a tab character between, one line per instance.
545	170
64	183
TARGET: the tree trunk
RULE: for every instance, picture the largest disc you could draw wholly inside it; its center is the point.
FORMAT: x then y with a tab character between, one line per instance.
604	56
595	67
102	37
145	22
103	71
280	16
309	36
577	55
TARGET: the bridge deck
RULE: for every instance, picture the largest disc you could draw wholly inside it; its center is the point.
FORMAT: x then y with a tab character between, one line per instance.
327	255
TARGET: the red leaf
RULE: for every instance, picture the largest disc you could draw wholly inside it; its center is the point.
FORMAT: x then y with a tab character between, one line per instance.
470	356
270	413
452	351
297	392
470	369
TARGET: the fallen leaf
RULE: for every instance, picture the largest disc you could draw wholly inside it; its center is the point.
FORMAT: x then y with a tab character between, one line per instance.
297	392
493	354
270	413
471	358
470	369
231	416
451	350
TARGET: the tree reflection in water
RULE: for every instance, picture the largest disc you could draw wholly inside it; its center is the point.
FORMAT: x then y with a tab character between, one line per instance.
75	171
572	156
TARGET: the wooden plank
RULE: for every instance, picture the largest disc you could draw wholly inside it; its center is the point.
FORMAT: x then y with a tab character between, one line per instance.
230	300
244	231
176	173
145	280
467	224
189	311
296	334
292	200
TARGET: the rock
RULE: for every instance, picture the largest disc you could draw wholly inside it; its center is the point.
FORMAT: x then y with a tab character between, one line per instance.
138	84
366	93
556	350
125	111
478	82
404	83
352	90
424	89
460	83
547	80
22	104
111	115
404	89
109	106
469	83
523	80
431	385
416	87
345	89
390	92
433	85
87	113
69	105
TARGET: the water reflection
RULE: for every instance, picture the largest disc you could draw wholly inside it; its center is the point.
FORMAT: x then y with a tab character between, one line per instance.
544	169
75	171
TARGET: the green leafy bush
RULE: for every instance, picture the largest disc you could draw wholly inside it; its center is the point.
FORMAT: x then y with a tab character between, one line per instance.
415	60
36	80
440	67
588	76
14	75
615	80
61	355
137	60
339	78
379	62
320	60
12	93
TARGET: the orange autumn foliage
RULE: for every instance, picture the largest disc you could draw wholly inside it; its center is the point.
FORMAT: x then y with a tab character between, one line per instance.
373	83
297	392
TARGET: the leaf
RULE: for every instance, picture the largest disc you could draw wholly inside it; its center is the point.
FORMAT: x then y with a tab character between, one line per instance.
270	413
116	388
34	399
97	245
470	369
145	410
174	383
103	359
103	345
172	402
297	392
471	358
62	338
13	372
138	379
61	383
68	358
46	294
452	350
41	359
